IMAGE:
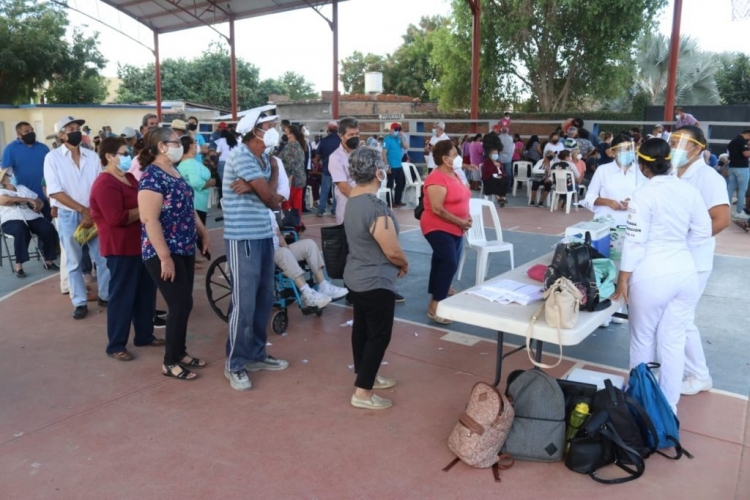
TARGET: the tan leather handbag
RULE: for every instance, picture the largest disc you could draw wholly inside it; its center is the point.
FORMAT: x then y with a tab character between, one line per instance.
561	304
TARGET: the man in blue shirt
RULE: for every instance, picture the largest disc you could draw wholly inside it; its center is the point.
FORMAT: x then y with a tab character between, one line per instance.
26	157
393	146
327	145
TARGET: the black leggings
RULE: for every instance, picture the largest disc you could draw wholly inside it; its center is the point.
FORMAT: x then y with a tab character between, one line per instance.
371	332
178	295
202	216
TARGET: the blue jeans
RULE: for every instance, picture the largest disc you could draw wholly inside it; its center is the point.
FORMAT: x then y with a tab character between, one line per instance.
132	299
509	171
68	221
737	181
446	252
325	192
251	264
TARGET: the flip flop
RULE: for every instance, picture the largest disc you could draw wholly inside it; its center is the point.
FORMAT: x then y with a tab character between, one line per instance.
438	319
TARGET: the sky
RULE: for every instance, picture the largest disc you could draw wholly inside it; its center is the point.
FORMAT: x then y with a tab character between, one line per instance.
301	41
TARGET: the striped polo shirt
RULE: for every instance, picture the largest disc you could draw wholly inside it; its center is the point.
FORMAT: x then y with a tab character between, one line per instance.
245	215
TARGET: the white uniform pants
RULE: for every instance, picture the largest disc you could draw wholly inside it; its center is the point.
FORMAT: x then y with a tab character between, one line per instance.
695	359
660	311
287	258
63	264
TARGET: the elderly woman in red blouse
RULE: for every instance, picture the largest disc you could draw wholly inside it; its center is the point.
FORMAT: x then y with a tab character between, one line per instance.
132	292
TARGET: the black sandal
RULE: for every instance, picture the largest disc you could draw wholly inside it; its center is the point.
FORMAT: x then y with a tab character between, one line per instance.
193	363
183	375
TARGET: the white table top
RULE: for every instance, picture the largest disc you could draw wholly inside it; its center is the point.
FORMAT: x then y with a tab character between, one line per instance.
514	318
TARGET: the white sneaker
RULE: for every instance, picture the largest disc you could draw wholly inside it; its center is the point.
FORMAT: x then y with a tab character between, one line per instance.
692	386
741	216
606	323
618	321
238	380
313	298
329	289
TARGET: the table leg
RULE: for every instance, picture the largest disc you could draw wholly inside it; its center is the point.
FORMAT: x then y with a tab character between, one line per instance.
499	360
538	354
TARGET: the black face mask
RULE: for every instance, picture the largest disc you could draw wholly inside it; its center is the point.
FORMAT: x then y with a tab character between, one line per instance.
192	126
74	138
555	141
352	143
29	138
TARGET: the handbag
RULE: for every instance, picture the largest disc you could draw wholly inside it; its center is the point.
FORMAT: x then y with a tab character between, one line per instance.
419	209
561	304
335	250
537	272
83	235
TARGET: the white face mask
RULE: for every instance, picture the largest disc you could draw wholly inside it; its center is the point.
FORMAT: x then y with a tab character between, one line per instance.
434	131
271	138
458	163
174	154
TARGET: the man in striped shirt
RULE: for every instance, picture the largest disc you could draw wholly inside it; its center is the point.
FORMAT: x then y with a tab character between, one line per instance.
249	185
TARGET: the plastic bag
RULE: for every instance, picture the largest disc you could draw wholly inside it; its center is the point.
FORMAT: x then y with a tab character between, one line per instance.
83	235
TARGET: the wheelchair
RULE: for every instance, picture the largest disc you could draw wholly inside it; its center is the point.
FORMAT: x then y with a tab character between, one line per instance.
286	293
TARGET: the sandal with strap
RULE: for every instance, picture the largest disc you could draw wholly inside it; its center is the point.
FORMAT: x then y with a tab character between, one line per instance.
122	356
193	363
184	374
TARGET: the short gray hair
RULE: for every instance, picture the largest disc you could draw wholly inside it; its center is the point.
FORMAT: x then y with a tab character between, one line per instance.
440	125
347	123
364	163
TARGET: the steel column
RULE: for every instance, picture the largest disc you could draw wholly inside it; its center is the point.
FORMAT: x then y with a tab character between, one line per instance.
335	29
233	68
476	12
674	54
157	69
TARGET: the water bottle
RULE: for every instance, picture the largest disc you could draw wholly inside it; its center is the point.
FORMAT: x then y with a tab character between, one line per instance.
577	418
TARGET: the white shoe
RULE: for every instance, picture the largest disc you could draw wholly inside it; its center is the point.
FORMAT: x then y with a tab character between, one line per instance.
383	383
741	216
374	403
606	323
312	298
618	321
331	290
692	386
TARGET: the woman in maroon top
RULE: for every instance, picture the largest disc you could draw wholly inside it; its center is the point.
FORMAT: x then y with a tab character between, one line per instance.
132	293
494	177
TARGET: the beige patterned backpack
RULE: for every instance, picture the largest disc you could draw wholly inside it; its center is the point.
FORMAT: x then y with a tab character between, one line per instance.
481	430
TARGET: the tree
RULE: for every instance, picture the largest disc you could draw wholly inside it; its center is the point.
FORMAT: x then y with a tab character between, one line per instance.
409	71
76	79
733	79
296	87
34	50
564	51
354	67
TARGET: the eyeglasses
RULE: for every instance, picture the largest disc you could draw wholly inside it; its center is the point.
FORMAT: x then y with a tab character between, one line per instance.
171	142
122	154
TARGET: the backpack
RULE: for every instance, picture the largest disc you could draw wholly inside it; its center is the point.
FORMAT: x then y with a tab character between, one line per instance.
335	250
538	431
481	430
419	209
644	388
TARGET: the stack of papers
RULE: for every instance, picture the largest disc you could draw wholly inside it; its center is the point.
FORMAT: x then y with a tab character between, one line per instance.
508	291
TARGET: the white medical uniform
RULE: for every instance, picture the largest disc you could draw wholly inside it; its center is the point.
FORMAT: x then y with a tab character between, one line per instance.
666	219
712	188
614	183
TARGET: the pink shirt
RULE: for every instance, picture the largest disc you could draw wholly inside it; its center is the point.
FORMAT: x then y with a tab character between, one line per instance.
476	152
456	202
135	169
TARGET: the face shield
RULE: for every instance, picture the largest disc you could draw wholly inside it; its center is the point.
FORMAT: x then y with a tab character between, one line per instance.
685	149
624	154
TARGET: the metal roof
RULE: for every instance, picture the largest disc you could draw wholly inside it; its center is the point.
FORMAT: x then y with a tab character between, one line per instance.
165	16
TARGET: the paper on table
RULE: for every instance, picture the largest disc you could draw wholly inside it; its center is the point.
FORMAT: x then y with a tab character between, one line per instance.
508	291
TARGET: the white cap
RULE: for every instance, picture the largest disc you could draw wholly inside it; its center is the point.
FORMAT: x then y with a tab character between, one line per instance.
128	132
253	117
65	121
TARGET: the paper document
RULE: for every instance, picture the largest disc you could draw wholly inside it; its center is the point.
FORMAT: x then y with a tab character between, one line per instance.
508	291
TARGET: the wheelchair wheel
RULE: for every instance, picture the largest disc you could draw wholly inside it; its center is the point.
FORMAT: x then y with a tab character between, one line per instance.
279	321
219	287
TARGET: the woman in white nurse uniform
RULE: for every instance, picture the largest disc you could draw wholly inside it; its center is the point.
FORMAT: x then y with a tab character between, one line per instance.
666	219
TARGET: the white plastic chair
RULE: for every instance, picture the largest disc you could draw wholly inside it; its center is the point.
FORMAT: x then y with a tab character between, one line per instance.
414	182
384	193
309	201
476	239
522	173
561	177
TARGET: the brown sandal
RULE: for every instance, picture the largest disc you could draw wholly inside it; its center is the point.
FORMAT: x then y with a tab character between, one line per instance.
154	343
122	356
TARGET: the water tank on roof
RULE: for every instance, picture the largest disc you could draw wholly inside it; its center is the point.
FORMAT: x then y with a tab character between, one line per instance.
373	82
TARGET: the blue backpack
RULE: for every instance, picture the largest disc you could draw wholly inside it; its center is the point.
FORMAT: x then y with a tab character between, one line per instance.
644	388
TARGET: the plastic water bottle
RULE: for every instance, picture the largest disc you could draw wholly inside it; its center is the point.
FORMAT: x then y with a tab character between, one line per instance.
577	418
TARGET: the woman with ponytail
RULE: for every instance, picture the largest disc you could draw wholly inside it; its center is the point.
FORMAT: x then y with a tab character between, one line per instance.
658	280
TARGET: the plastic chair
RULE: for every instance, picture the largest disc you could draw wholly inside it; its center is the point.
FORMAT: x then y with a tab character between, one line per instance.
11	256
476	239
384	193
561	177
414	182
522	173
309	201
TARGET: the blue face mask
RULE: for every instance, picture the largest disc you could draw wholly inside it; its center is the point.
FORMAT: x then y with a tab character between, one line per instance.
494	156
625	159
125	162
13	180
679	158
394	133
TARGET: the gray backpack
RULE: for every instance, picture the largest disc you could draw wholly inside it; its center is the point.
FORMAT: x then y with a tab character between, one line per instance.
538	431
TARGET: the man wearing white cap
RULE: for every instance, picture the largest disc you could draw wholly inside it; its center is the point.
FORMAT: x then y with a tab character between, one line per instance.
128	133
69	172
438	134
250	189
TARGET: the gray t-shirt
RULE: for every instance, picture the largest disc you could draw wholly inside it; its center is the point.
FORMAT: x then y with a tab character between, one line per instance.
367	267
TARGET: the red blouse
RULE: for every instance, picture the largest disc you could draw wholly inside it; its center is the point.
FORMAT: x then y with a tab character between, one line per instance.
489	169
111	200
456	202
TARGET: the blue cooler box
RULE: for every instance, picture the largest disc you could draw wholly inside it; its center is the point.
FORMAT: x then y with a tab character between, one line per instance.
600	235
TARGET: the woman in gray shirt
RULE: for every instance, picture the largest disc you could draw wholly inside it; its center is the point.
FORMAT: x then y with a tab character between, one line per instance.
375	261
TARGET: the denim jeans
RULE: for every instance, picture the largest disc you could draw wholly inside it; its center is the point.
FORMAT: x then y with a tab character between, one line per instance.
67	223
738	181
251	264
325	191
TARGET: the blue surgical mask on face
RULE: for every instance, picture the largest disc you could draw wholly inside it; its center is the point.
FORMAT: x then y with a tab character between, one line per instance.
679	158
125	162
394	133
13	180
494	156
625	159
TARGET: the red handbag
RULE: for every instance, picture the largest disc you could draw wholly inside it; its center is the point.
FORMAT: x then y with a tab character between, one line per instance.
537	272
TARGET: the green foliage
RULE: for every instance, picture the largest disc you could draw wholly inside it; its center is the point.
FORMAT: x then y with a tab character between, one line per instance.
733	79
205	79
354	67
35	50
